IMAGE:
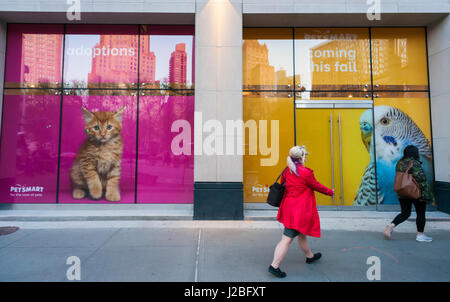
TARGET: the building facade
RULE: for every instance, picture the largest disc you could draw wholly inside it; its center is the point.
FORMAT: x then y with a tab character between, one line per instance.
212	94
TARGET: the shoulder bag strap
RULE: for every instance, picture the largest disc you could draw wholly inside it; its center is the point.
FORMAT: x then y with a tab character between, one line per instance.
410	164
280	174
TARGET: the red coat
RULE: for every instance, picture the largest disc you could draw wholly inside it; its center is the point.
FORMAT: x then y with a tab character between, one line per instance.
298	208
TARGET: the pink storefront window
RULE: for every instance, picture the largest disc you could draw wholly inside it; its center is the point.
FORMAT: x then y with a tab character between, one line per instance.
164	177
29	146
52	71
101	56
73	136
166	57
34	56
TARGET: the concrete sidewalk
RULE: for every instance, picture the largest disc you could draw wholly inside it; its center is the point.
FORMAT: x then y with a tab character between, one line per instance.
68	212
219	250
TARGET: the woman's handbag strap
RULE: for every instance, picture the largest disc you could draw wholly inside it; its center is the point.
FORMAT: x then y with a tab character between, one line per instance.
280	174
410	164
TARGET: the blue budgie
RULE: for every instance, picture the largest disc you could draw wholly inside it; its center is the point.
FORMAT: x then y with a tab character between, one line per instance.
366	193
394	130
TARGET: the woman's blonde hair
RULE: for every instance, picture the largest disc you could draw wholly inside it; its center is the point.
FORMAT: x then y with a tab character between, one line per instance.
297	154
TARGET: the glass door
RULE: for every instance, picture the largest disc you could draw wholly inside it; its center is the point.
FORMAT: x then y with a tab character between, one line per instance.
356	173
339	137
314	129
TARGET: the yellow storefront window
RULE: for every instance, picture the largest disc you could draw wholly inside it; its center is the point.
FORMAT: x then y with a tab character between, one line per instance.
399	59
267	59
355	131
400	119
269	134
332	58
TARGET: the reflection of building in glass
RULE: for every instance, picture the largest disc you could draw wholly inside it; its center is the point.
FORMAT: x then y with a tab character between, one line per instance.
401	46
281	78
256	70
178	65
147	64
42	57
118	60
381	59
388	56
378	58
283	81
340	64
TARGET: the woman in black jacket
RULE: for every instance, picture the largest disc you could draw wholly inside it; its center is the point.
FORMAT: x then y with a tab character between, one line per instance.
411	155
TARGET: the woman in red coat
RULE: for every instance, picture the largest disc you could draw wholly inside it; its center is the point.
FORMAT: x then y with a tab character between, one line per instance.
298	210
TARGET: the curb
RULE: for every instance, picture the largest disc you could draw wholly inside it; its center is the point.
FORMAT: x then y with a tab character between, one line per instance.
173	218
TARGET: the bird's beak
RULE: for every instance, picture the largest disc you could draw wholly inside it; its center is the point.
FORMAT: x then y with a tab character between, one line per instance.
366	135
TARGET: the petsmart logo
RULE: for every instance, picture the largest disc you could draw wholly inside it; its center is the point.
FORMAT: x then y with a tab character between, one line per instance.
327	35
260	189
26	189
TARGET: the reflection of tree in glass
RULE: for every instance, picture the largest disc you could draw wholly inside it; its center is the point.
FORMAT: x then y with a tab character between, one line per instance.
36	135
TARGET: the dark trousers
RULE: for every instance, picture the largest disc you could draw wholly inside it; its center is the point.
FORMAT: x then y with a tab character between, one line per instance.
406	205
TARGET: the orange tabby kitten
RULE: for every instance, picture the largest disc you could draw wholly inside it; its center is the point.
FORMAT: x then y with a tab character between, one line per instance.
97	165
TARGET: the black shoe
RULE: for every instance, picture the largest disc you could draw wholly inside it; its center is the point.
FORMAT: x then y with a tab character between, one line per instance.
316	256
277	272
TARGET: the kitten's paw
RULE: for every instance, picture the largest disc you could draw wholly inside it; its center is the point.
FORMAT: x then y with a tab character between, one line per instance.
96	192
112	195
78	194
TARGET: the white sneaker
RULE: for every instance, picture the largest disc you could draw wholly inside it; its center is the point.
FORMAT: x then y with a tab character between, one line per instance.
388	232
424	238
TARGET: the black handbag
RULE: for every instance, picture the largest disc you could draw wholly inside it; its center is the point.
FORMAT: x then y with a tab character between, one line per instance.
276	192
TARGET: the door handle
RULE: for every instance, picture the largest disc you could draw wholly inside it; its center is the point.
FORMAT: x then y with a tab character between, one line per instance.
332	160
340	159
